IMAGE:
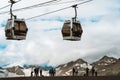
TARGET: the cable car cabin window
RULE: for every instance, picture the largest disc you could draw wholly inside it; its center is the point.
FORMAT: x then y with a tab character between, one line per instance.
9	25
20	28
23	26
76	30
8	29
16	26
66	29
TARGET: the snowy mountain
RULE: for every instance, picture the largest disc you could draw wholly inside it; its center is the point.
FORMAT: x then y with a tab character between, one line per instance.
3	72
105	61
114	68
106	66
66	69
16	69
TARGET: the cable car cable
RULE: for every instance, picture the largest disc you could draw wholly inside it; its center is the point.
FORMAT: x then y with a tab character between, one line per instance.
33	6
58	10
7	5
64	2
39	5
4	7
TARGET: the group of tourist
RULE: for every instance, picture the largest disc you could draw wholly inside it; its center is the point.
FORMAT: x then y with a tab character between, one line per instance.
93	71
52	72
36	71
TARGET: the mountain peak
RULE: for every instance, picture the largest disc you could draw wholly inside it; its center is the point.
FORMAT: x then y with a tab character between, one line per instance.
80	61
107	58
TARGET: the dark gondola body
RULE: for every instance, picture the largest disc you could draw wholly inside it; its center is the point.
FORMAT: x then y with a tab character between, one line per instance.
72	30
16	29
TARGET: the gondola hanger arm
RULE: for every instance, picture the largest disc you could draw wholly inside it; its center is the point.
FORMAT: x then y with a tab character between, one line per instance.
12	2
75	7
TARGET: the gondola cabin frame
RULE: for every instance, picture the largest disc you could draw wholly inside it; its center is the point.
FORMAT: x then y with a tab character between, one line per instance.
16	29
72	30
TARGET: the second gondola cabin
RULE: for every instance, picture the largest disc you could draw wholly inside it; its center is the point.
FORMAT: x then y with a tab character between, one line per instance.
72	30
16	29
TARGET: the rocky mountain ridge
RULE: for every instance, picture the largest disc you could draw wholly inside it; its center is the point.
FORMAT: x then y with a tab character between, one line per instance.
106	66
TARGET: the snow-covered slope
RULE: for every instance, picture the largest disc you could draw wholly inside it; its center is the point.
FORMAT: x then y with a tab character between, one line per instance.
106	66
66	69
105	61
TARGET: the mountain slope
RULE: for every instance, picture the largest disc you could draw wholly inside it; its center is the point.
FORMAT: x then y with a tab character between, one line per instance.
106	66
113	69
104	61
16	69
66	69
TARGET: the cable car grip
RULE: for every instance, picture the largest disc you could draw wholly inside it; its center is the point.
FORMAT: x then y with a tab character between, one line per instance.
11	13
75	7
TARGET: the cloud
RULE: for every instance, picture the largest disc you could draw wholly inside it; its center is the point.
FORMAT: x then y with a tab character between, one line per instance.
44	42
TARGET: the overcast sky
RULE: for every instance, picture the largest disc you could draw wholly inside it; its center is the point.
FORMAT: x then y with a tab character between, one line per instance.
100	20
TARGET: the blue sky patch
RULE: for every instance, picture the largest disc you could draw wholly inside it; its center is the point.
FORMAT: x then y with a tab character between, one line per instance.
54	19
52	29
94	20
2	46
116	9
60	19
3	24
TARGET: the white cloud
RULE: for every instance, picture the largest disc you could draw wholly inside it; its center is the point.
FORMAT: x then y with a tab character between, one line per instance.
99	38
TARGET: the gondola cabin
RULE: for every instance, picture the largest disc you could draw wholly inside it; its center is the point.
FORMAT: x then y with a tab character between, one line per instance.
72	30
16	29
